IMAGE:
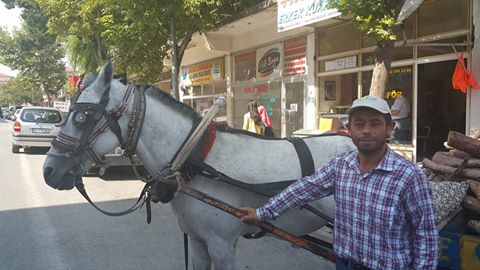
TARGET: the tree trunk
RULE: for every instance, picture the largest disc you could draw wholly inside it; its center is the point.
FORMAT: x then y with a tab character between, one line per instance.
443	169
381	69
460	141
472	204
475	187
175	62
177	56
444	159
458	154
474	225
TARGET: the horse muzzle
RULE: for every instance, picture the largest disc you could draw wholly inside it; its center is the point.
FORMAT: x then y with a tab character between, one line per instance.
64	182
58	177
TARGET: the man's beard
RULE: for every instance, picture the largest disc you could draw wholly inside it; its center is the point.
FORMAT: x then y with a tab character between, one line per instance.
369	151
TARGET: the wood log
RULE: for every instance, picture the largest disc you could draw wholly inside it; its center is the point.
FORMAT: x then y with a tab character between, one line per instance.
472	204
475	133
467	144
474	225
475	187
444	159
468	173
459	154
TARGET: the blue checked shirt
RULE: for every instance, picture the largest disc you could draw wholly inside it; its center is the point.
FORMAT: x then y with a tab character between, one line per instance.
383	219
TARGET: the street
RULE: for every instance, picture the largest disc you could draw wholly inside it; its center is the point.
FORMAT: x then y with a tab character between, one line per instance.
42	228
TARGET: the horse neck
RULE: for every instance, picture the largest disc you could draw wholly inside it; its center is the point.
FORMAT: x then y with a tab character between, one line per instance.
163	132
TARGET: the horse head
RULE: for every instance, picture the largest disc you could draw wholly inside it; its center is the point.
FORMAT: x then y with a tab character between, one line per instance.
96	123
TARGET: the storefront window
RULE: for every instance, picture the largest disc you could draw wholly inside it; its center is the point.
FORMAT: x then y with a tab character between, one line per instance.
399	53
336	93
266	94
441	16
398	94
338	39
424	51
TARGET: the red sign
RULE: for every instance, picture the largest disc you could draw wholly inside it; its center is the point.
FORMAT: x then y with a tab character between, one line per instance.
256	89
295	56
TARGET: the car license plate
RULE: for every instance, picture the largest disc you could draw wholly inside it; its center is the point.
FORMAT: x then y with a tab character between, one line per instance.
40	130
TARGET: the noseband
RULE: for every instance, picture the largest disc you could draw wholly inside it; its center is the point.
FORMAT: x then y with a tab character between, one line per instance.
95	120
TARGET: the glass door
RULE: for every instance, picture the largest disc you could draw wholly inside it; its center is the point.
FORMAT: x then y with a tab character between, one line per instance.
293	107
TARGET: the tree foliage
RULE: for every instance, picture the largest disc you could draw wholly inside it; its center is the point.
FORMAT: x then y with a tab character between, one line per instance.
377	19
136	33
35	53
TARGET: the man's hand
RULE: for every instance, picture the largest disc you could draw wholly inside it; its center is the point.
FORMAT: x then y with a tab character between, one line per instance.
250	216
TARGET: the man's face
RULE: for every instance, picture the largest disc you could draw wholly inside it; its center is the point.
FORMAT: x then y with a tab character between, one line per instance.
369	130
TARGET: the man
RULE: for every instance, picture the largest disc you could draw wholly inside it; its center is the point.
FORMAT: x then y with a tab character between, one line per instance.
384	215
403	124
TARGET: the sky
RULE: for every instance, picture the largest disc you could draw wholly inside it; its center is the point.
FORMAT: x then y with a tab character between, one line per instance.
9	19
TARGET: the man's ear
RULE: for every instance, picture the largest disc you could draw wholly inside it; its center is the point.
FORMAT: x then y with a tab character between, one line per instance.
390	128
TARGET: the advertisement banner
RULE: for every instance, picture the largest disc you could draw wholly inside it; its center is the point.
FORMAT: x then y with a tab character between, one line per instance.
202	73
295	13
245	66
269	62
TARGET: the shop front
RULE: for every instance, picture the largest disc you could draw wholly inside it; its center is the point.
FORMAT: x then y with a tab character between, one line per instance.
419	90
274	76
202	83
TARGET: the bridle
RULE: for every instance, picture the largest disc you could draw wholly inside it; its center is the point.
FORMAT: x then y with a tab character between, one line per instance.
94	120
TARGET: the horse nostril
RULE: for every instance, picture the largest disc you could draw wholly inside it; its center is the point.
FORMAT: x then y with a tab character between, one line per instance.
47	171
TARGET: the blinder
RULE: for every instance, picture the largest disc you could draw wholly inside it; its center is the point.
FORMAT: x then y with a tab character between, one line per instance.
87	116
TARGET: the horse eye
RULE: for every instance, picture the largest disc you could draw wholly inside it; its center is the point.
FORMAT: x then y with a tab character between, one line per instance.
80	118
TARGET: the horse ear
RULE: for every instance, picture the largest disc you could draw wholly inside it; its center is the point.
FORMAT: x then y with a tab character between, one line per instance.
105	76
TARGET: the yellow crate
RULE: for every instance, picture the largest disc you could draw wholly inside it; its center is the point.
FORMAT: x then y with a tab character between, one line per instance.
470	252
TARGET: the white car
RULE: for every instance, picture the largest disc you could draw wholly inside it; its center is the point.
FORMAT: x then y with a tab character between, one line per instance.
15	115
35	127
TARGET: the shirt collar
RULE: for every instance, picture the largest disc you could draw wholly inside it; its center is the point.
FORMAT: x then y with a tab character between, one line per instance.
386	164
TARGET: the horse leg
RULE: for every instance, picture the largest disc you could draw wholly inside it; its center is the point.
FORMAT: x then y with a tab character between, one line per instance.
222	253
200	258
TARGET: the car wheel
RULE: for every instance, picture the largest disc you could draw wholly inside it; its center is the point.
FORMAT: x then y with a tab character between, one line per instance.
15	149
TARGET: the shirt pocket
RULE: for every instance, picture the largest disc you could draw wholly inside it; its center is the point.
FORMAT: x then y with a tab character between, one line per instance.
380	216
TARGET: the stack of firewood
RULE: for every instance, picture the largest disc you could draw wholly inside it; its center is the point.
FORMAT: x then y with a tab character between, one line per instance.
461	163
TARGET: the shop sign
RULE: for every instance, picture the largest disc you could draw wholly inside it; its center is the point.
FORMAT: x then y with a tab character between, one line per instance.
295	13
341	63
245	66
294	51
269	62
261	88
205	72
62	106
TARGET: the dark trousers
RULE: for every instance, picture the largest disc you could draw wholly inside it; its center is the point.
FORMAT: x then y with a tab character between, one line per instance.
343	264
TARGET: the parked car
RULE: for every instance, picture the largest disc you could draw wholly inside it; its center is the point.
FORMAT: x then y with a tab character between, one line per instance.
35	127
15	115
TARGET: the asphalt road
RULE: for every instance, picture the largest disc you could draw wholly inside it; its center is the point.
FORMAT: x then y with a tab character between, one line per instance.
41	228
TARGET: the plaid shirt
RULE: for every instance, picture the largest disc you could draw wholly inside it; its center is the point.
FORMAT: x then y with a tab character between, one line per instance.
383	220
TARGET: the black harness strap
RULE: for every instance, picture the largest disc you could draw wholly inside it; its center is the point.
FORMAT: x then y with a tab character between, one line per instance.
304	156
196	166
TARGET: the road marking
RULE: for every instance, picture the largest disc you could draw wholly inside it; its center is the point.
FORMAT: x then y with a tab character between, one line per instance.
43	231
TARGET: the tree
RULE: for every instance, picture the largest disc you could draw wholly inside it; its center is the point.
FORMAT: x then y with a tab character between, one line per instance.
34	53
377	20
139	34
20	90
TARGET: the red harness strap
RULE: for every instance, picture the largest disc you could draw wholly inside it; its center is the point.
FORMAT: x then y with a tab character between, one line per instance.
208	142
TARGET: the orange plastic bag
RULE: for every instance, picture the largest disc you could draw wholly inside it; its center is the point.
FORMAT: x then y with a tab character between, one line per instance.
462	79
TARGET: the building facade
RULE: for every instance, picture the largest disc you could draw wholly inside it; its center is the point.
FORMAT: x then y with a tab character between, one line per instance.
320	68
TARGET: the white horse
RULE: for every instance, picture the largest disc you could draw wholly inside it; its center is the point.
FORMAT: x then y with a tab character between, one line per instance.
213	234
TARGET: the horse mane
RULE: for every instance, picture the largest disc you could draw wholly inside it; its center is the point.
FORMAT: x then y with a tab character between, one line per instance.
176	105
